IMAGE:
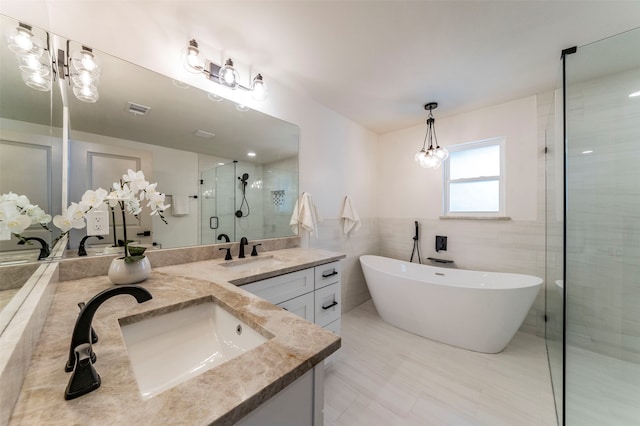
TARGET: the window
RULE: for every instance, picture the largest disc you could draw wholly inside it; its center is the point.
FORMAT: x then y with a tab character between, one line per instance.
473	179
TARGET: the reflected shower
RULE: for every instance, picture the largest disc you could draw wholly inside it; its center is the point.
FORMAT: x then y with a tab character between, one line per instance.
243	182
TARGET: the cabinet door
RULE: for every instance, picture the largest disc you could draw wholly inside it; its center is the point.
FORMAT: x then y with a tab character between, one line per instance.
284	287
328	274
302	306
327	301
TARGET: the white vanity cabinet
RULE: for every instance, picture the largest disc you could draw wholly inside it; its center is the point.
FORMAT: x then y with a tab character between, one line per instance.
313	294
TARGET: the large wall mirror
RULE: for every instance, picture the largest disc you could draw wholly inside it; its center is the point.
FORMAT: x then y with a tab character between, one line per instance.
30	153
225	169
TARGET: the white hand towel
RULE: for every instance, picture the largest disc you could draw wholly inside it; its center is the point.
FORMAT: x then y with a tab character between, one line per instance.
179	205
349	216
305	215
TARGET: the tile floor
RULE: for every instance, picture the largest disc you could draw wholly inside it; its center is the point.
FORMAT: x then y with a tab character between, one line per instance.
385	376
601	390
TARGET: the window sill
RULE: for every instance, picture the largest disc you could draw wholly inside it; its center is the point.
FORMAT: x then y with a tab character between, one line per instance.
475	217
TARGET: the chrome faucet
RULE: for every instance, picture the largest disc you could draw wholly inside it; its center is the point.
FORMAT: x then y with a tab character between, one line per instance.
82	251
81	356
243	242
225	236
44	247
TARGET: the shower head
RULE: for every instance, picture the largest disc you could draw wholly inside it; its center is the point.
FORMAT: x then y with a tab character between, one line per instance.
244	178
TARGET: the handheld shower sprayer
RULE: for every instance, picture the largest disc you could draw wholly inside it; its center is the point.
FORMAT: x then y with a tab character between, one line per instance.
243	181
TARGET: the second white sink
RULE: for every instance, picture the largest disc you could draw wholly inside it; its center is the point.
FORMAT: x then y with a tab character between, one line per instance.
252	263
168	349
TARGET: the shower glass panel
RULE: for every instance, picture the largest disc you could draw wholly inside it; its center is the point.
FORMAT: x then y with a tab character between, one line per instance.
551	104
602	272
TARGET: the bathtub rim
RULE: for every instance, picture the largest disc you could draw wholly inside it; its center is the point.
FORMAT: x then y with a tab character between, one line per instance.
530	280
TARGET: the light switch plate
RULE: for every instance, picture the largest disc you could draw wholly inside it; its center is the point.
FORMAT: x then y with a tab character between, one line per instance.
97	222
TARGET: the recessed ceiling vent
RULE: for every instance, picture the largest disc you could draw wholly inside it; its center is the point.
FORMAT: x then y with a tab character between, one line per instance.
137	109
203	134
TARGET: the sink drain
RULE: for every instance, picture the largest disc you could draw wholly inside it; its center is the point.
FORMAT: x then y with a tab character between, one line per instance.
239	329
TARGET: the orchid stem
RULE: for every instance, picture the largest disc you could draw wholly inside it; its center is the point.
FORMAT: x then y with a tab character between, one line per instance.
124	230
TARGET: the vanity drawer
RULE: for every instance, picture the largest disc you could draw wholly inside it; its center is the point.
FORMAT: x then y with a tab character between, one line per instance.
327	304
284	287
301	306
328	274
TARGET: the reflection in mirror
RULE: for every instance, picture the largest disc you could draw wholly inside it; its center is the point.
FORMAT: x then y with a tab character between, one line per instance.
195	147
30	151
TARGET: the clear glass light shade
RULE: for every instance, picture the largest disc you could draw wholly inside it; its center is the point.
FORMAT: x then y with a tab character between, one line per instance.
88	93
442	153
430	161
23	42
34	64
85	78
85	60
193	59
37	81
419	157
228	75
258	88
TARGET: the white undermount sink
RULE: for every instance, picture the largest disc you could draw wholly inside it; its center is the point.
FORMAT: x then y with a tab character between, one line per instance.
170	348
252	263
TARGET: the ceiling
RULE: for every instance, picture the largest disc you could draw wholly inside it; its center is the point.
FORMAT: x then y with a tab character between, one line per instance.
375	62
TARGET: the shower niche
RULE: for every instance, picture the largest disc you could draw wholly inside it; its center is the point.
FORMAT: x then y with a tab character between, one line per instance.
242	199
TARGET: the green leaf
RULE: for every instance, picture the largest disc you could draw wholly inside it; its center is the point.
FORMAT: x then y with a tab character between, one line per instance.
132	259
136	251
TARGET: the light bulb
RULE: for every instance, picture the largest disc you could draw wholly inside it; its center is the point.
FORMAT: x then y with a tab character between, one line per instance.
37	81
259	88
228	75
88	61
23	42
420	156
85	78
86	93
31	63
193	60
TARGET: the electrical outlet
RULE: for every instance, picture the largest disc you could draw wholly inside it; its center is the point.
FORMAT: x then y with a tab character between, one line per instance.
97	223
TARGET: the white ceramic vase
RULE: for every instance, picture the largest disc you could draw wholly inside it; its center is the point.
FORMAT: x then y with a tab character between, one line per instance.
121	272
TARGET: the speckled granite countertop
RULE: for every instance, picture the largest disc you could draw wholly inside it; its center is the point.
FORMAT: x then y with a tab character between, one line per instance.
222	395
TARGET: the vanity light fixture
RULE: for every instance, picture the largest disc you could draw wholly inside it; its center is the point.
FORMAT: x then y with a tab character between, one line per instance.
33	57
225	75
431	157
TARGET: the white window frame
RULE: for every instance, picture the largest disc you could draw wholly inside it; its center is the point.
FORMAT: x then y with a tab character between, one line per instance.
446	181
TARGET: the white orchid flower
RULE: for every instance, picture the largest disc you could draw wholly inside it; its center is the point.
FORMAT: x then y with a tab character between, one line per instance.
93	199
135	180
22	201
63	223
8	210
19	223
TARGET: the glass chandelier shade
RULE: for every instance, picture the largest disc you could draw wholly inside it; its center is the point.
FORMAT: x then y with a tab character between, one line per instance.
228	75
431	156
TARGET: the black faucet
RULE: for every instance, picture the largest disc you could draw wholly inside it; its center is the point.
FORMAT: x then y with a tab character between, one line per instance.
225	236
81	357
44	249
254	252
81	250
243	242
228	255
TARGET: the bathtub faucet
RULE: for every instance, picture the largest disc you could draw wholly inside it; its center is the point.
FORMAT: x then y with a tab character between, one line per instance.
44	247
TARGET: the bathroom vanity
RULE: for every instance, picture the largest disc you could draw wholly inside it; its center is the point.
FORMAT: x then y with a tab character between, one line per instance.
280	380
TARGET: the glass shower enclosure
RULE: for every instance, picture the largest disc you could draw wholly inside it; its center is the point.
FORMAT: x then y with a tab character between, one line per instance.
593	241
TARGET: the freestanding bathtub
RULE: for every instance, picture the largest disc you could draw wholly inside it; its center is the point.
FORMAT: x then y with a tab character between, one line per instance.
480	311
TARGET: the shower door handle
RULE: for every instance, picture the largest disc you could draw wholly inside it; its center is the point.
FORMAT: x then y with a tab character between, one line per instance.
213	222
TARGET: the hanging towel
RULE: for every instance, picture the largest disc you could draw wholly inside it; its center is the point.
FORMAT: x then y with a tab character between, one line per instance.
306	215
349	216
179	205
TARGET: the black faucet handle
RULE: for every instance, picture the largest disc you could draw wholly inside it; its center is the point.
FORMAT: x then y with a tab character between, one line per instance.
254	251
228	255
85	378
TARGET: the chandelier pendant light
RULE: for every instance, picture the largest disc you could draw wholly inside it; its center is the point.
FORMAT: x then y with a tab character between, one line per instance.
431	155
